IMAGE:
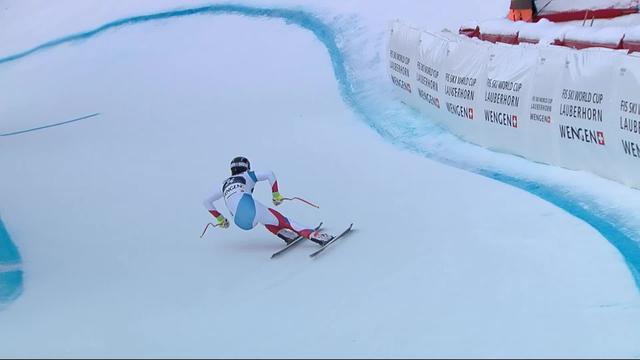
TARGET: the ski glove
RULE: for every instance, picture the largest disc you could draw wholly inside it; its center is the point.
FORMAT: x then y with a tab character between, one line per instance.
222	221
277	198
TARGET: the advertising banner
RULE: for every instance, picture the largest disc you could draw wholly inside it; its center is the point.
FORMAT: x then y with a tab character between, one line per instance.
578	109
585	111
625	135
429	66
506	98
465	72
402	53
541	144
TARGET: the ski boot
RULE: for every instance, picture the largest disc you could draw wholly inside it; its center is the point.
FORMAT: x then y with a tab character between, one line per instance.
287	235
320	238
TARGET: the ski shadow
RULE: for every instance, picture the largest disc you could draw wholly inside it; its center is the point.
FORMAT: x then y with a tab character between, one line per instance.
354	230
254	245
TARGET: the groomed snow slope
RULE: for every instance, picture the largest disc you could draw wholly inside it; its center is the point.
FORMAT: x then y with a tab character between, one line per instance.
107	213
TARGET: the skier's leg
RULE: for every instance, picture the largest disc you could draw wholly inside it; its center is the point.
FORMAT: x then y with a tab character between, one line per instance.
246	211
275	221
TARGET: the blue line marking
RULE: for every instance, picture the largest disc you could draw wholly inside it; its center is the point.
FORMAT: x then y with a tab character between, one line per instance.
609	225
10	286
11	281
49	126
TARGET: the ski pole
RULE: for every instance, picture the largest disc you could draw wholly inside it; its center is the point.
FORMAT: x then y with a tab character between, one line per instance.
304	201
545	6
207	227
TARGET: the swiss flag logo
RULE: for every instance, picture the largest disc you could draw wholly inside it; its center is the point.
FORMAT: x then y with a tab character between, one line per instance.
600	136
471	113
515	121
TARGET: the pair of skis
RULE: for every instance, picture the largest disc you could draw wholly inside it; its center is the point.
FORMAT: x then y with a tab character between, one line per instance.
299	239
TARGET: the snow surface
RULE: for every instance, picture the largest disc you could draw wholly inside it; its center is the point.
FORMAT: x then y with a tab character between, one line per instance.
544	31
502	26
551	6
599	31
604	31
106	211
607	35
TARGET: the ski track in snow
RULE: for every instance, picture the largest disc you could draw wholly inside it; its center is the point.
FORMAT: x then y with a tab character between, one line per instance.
611	225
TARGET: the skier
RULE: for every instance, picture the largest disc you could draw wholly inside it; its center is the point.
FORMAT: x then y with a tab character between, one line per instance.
237	191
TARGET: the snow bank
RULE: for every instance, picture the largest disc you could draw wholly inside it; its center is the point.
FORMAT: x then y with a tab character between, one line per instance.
552	6
593	36
543	32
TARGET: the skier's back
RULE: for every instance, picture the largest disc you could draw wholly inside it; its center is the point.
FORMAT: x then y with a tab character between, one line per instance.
237	191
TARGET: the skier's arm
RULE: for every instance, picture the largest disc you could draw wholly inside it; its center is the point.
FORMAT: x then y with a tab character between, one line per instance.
271	177
208	203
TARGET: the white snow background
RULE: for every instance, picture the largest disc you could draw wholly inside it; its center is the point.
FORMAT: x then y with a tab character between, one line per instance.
444	262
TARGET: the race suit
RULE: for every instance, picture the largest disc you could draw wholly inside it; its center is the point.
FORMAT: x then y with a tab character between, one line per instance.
237	191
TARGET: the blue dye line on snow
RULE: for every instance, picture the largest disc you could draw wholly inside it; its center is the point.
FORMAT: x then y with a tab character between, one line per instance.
10	286
629	248
608	226
50	125
10	281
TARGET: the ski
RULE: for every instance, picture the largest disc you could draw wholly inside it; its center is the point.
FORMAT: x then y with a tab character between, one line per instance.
331	241
295	241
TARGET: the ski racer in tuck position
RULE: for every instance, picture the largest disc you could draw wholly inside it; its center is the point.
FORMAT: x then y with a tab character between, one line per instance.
237	191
